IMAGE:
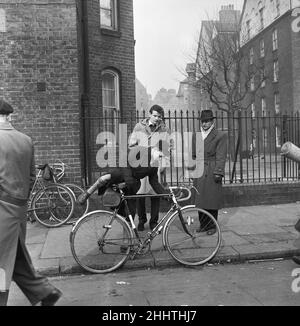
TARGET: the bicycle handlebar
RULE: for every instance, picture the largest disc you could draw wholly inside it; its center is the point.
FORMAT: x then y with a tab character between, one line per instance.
182	189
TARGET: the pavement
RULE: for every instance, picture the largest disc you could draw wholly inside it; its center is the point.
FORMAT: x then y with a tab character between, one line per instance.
248	234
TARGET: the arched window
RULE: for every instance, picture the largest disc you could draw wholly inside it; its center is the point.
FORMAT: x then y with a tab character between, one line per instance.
110	100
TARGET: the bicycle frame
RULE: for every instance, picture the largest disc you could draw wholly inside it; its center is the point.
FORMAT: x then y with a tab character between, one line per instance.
175	208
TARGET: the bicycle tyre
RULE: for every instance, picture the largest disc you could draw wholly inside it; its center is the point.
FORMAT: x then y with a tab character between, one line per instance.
85	237
198	249
53	205
79	210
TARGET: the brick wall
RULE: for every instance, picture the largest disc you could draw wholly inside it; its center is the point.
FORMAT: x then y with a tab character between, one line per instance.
39	76
295	36
261	194
110	50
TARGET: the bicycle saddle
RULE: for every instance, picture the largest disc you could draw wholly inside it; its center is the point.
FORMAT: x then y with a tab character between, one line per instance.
120	185
41	166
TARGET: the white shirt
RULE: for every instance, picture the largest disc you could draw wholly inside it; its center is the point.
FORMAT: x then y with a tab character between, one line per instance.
205	133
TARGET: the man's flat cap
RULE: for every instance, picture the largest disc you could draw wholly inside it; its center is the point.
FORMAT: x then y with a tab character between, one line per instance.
5	108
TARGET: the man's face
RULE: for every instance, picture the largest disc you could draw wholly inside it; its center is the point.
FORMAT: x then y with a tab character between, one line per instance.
155	118
206	124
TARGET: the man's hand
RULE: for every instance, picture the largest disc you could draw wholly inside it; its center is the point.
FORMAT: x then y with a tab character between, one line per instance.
218	178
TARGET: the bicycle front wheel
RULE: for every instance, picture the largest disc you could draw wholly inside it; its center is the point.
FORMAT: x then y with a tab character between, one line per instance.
101	241
79	210
192	245
53	205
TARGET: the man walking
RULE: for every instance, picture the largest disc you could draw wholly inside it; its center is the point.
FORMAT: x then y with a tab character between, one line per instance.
17	174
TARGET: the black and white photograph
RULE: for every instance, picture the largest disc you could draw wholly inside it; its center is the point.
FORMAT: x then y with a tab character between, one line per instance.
149	156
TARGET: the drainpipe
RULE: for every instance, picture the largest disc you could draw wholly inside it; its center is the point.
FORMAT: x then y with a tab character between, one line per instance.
85	79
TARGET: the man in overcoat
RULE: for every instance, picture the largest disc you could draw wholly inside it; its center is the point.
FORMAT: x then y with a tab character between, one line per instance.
209	185
17	174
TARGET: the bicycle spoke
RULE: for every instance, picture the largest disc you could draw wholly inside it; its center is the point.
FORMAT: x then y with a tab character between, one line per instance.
100	242
196	249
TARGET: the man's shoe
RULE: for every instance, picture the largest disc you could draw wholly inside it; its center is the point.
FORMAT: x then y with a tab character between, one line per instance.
296	259
141	227
51	298
152	225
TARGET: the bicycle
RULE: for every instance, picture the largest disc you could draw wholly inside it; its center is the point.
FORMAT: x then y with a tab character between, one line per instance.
102	241
58	169
51	204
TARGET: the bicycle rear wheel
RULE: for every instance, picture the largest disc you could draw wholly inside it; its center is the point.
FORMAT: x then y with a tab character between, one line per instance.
101	241
196	248
53	205
79	210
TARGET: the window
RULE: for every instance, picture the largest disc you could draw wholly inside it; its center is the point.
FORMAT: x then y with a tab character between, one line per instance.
278	7
252	83
262	48
265	137
275	40
251	56
108	14
261	18
263	107
253	110
248	29
262	78
276	71
277	103
278	138
110	100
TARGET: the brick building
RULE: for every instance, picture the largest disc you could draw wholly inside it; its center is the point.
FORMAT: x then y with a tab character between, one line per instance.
65	66
268	38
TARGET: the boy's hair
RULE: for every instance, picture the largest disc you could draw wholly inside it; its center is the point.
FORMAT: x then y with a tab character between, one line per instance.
158	109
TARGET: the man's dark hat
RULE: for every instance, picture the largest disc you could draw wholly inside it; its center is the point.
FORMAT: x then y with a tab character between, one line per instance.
207	115
5	108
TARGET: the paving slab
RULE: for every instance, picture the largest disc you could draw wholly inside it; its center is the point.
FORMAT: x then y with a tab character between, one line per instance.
267	250
255	229
230	238
270	237
57	243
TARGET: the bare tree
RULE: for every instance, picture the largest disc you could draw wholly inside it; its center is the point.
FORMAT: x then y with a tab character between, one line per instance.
227	75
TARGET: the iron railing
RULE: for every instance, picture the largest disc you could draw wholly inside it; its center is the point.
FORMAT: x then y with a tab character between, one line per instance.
254	143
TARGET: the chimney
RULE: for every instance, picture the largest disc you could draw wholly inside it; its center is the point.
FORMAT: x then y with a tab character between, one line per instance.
227	14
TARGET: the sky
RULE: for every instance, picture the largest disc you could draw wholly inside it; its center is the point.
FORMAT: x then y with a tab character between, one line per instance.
166	33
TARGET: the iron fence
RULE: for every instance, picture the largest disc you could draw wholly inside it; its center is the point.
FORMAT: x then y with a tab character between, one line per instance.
254	143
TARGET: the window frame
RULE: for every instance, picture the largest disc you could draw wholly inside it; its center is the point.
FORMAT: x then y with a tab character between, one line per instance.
261	18
277	102
262	78
275	39
114	16
277	8
263	107
248	29
275	71
252	83
262	48
251	56
116	108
